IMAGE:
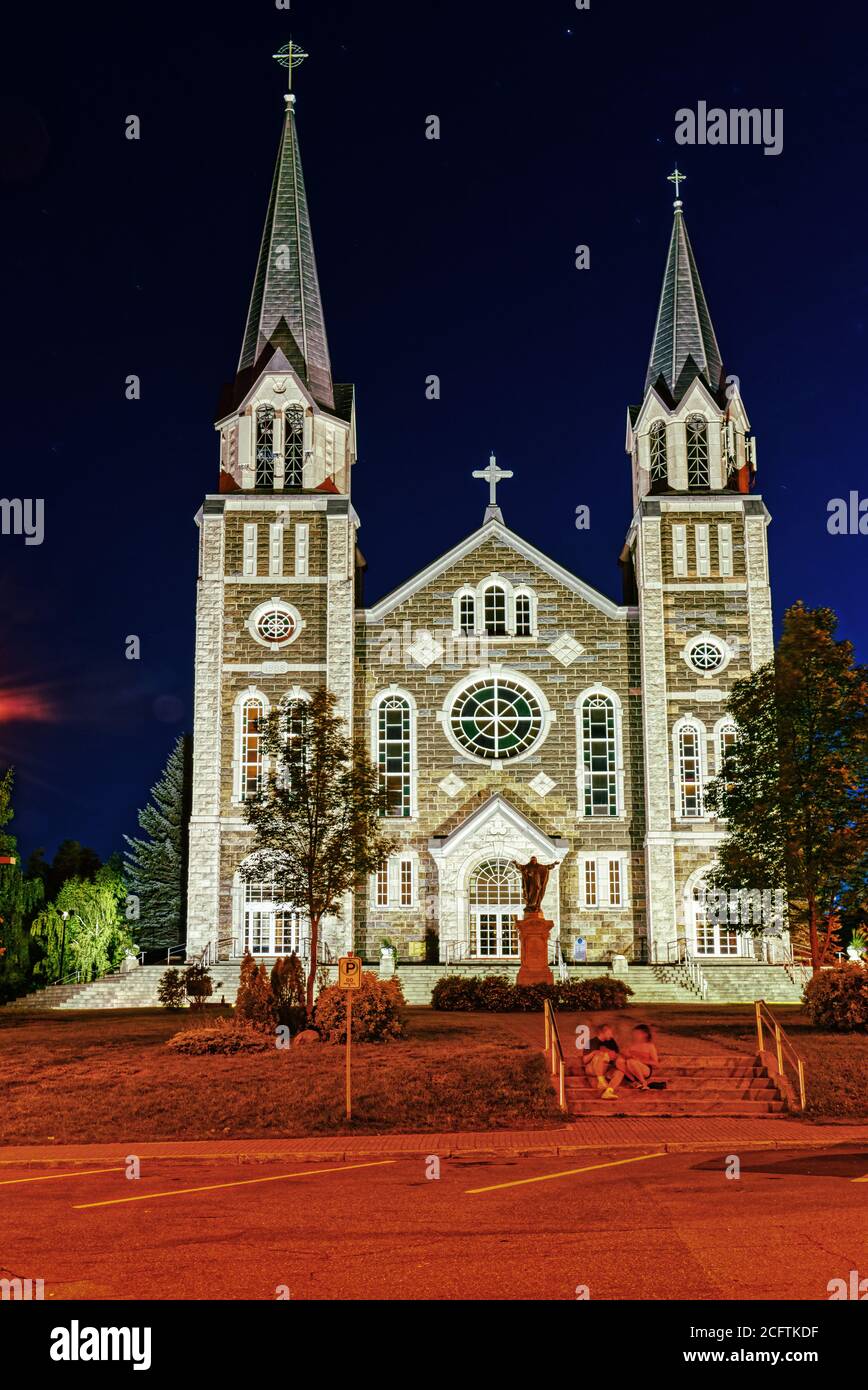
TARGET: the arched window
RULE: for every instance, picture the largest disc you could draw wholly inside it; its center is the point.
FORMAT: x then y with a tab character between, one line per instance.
395	753
689	763
252	716
293	447
265	446
495	901
599	741
657	448
293	720
494	601
523	614
727	737
698	476
467	614
270	925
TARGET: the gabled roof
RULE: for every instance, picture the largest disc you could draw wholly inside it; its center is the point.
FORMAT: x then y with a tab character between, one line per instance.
493	530
684	345
497	805
285	306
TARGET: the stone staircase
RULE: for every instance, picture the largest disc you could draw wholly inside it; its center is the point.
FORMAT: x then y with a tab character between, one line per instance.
136	989
743	981
695	1085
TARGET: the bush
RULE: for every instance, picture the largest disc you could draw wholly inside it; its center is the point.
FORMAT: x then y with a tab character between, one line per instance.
171	991
198	986
254	1001
288	988
837	999
228	1035
377	1011
495	994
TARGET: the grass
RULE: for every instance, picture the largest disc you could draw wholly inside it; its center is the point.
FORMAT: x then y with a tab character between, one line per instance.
107	1076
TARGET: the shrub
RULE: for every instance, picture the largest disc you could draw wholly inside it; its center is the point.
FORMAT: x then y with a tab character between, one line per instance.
170	991
837	999
377	1011
288	988
254	1001
495	994
198	986
228	1035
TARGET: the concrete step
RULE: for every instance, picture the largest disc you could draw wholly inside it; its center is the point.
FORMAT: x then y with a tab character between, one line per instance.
655	1103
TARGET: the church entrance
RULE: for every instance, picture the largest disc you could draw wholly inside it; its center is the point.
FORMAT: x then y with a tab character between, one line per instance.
495	907
271	927
709	938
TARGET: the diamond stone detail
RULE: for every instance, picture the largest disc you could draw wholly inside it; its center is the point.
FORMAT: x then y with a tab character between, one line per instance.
425	649
565	649
541	784
451	784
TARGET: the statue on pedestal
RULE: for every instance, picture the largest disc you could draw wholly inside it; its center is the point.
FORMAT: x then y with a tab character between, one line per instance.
534	877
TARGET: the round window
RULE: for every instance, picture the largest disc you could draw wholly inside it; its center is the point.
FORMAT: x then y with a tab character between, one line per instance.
495	717
706	656
274	623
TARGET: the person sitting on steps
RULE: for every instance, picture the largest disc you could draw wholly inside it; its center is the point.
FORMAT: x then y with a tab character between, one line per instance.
638	1062
601	1054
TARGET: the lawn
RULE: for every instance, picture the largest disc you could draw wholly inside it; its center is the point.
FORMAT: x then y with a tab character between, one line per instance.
106	1076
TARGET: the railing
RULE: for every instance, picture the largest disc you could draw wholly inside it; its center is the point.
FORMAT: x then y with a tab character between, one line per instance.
782	1042
554	1052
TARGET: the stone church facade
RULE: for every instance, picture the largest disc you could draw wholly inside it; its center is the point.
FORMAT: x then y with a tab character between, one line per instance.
510	707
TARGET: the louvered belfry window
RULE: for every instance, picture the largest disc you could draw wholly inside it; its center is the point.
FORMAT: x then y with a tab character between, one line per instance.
698	477
265	446
293	449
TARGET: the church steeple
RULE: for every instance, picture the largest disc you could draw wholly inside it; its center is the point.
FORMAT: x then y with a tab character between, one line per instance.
684	345
285	307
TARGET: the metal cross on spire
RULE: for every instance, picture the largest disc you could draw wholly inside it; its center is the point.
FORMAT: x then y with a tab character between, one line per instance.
676	178
492	475
290	56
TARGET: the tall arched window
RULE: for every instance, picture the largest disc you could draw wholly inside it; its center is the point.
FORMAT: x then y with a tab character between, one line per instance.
265	446
598	733
252	715
494	600
293	447
495	902
689	754
395	754
727	736
523	615
467	614
657	449
293	712
698	476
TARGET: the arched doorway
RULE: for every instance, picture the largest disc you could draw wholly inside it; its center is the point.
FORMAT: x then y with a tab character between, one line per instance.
706	937
271	927
495	901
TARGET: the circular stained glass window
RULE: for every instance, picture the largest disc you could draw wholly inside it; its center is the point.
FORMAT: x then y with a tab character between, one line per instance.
274	625
495	718
705	656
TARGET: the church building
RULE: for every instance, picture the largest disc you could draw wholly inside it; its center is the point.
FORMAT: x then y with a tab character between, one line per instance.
512	709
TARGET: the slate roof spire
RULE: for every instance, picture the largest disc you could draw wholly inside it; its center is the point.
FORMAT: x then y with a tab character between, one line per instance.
285	306
684	345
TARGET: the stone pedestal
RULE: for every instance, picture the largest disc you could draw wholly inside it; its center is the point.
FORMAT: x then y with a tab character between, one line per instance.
533	934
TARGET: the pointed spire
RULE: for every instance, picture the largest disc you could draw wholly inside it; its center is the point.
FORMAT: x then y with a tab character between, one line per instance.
285	308
684	345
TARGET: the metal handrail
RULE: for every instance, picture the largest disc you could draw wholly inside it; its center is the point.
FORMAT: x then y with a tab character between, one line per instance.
781	1042
554	1051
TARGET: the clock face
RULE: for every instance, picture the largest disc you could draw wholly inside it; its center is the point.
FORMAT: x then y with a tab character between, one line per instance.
496	718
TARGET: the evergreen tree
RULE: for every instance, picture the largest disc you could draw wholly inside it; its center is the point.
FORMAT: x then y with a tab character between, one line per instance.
794	788
19	900
156	868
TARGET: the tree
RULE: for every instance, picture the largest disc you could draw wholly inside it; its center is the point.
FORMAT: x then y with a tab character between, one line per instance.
156	868
19	900
793	787
317	821
72	860
95	938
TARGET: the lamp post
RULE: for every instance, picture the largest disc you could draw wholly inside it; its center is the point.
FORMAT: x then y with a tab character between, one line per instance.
64	915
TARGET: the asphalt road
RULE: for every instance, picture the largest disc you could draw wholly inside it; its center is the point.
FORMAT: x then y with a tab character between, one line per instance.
667	1227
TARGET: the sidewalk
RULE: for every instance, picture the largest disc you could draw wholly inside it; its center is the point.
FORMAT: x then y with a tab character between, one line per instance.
609	1134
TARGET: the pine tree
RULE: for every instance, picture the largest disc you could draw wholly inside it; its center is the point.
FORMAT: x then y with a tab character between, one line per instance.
794	788
156	868
19	900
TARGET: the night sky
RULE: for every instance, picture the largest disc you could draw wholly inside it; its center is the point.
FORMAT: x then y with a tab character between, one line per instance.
453	257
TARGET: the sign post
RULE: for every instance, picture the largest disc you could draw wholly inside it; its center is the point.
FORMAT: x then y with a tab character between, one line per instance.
349	978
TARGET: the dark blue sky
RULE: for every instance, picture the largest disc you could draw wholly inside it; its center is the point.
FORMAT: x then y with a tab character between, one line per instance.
453	257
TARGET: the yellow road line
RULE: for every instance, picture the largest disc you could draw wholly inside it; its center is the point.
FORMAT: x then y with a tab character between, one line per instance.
568	1173
243	1182
865	1179
51	1177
